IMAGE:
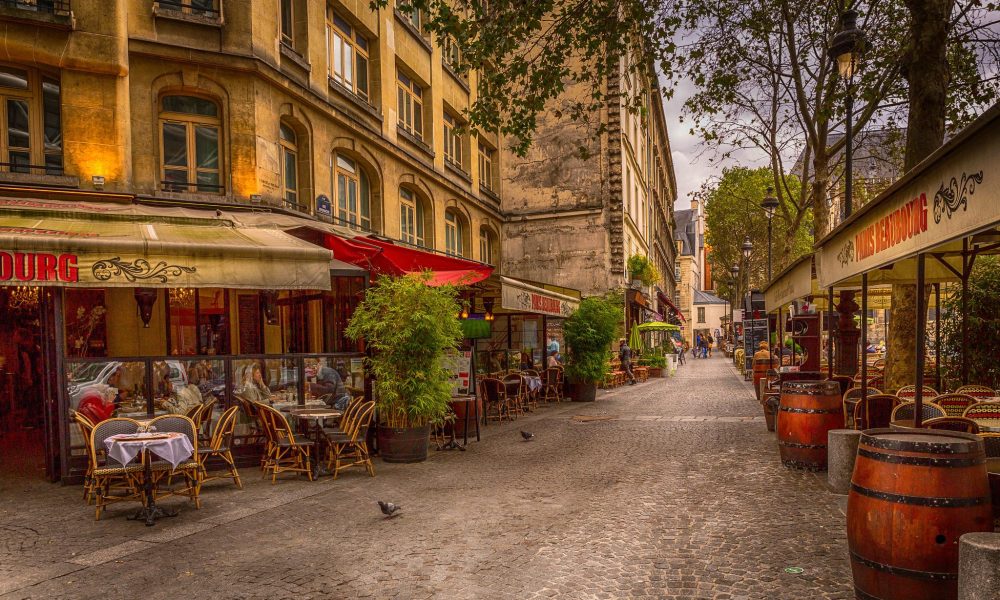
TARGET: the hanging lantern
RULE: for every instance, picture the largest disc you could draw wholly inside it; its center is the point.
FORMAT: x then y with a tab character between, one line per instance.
145	298
269	303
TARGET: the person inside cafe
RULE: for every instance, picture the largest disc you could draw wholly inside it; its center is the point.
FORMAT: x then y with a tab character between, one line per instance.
253	387
329	383
553	359
553	346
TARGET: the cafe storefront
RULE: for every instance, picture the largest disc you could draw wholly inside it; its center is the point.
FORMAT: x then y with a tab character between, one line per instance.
131	310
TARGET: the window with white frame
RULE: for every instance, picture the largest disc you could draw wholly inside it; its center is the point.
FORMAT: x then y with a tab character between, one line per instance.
454	232
410	105
349	60
411	218
454	142
487	166
488	246
353	193
289	165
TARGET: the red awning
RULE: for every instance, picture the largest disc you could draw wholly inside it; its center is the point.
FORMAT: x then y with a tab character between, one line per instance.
663	298
387	258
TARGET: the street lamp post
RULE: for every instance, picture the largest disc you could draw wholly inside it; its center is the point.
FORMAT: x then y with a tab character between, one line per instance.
845	48
746	249
769	204
735	272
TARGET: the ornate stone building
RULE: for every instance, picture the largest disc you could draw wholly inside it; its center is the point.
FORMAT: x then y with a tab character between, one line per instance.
326	109
587	197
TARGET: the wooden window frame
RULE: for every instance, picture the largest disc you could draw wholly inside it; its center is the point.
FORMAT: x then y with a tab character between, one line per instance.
454	233
190	123
411	211
289	148
34	96
487	166
353	219
409	98
454	142
287	37
351	41
488	246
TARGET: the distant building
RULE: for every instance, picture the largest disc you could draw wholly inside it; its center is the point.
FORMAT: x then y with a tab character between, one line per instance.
689	237
709	313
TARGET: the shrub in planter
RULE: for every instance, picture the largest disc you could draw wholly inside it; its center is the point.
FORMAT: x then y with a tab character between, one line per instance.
589	333
642	269
656	363
408	326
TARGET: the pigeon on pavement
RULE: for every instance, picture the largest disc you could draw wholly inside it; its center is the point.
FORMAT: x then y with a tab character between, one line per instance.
388	508
527	436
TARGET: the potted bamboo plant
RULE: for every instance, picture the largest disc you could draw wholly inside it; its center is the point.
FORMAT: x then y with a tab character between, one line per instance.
408	326
589	333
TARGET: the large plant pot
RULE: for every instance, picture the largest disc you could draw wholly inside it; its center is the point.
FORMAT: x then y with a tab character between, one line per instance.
404	445
583	392
655	372
460	409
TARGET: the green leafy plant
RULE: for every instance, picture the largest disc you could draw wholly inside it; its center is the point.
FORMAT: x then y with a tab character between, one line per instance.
641	268
408	325
983	308
589	333
654	361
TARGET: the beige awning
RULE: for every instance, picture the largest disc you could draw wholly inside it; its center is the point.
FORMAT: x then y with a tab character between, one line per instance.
953	194
108	245
521	296
792	283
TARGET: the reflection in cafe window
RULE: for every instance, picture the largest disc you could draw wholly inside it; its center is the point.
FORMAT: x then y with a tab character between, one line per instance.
86	330
197	321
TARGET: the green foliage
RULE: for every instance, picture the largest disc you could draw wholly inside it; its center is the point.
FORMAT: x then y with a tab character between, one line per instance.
408	325
589	333
983	326
732	212
643	269
655	360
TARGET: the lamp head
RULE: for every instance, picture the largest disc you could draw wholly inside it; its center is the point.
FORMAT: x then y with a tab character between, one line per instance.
746	248
847	45
769	204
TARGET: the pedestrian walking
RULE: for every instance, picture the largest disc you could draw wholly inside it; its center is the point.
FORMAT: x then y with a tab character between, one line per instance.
697	345
625	356
708	346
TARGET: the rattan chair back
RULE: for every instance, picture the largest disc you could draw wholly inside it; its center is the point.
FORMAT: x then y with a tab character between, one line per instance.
910	391
907	410
222	434
106	429
874	411
954	405
977	391
280	428
177	424
193	411
984	413
952	424
515	378
204	421
362	421
854	393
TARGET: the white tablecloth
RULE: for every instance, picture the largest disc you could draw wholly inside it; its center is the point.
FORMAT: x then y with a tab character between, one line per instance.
534	383
175	448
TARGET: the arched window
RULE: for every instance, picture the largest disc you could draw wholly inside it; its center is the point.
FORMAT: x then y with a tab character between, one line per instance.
190	147
489	248
411	218
454	233
353	193
289	166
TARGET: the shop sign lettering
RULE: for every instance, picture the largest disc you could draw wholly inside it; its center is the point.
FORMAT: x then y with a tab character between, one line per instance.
907	221
544	304
31	266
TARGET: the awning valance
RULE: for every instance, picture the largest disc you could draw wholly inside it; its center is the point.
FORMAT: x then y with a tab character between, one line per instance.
665	300
387	258
794	282
521	296
127	246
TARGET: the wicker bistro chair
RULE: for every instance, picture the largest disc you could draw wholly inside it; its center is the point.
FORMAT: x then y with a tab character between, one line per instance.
348	446
552	385
519	399
251	431
908	392
907	410
220	445
530	397
288	452
193	412
86	426
985	414
991	441
190	469
954	405
204	420
951	424
494	394
851	398
874	411
977	391
108	476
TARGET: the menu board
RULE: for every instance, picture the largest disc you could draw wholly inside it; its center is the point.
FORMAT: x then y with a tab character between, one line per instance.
459	364
754	332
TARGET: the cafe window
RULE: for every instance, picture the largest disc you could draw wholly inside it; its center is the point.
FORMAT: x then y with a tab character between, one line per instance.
353	193
488	247
289	166
454	232
190	147
487	166
411	218
85	322
454	142
348	54
30	122
410	105
197	321
339	304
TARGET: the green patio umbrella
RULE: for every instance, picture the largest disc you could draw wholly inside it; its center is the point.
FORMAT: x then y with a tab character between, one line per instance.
659	326
635	340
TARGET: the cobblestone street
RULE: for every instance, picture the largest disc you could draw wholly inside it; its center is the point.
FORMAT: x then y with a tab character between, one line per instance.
675	491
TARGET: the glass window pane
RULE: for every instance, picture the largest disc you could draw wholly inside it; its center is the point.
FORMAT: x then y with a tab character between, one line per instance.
345	163
208	181
175	180
348	66
286	18
365	201
190	105
17	124
338	56
418	120
175	144
401	105
342	24
362	75
361	41
51	116
13	78
53	164
342	195
419	218
290	168
352	198
19	162
286	133
206	147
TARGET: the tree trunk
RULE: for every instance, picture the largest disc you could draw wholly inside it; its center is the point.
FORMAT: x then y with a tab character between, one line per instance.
821	212
926	70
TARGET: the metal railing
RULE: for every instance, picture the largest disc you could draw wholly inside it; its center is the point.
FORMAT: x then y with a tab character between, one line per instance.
195	7
52	7
178	186
9	167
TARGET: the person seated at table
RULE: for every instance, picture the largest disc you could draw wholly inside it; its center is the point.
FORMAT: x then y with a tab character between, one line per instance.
553	360
253	387
329	382
96	404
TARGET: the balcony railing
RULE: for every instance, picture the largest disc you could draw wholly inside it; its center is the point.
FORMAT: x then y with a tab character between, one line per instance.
180	186
52	7
204	8
8	167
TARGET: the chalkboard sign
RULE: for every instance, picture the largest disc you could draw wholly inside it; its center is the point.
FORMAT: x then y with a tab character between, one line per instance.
249	315
754	332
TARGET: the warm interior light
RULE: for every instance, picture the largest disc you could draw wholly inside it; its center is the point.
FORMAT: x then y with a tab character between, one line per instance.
846	64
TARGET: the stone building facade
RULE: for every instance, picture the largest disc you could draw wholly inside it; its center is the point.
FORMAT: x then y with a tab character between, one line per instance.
322	108
592	192
689	237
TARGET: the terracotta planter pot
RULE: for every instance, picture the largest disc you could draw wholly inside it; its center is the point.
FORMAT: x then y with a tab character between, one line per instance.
655	372
404	445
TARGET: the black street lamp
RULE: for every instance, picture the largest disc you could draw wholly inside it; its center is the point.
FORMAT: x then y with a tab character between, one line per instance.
735	272
845	49
769	204
746	248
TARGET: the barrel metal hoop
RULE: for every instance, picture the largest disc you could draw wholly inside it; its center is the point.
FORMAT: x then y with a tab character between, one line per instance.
812	411
920	500
922	461
811	388
863	595
808	446
910	573
872	438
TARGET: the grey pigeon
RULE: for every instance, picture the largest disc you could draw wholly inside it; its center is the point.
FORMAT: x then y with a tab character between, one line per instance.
388	508
527	436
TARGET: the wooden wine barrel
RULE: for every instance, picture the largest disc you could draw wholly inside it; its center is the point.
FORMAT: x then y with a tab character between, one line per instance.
760	368
913	494
807	412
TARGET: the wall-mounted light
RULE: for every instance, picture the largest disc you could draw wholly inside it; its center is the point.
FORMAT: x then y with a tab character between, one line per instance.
269	302
488	308
145	298
98	181
256	198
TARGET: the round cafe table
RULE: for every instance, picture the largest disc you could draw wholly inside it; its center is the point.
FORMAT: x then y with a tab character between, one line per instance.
172	447
317	417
